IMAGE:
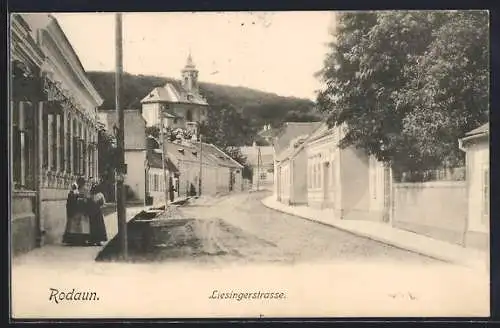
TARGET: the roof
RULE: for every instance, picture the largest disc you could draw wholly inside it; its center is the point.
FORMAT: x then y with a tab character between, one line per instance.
174	92
252	155
483	129
49	23
220	157
292	130
154	158
211	155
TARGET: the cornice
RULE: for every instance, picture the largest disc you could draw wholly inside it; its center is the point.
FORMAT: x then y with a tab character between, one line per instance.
59	39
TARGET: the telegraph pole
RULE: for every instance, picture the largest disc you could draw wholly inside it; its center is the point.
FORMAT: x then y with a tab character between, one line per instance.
163	157
121	170
258	167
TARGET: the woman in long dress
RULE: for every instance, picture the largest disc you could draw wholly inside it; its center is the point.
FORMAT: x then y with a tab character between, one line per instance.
77	232
97	226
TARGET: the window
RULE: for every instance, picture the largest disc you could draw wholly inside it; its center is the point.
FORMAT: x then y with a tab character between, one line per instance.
155	182
60	121
23	145
486	194
68	143
53	139
332	173
373	183
263	176
189	115
313	175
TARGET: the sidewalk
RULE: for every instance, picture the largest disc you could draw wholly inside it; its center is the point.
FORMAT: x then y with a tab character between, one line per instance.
384	233
66	254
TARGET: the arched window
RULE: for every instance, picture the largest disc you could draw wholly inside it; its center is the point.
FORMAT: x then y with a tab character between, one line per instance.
189	116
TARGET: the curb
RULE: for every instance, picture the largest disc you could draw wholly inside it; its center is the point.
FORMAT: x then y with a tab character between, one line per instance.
439	257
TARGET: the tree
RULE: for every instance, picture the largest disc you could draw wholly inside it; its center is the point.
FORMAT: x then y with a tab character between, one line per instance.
453	97
106	156
394	78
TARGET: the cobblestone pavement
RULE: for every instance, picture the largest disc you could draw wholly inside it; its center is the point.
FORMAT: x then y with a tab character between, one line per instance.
247	230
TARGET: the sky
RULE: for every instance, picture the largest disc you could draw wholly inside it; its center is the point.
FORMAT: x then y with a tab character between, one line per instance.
276	52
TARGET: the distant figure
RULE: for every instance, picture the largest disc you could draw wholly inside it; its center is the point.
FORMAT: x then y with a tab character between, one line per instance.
192	190
77	230
97	226
171	192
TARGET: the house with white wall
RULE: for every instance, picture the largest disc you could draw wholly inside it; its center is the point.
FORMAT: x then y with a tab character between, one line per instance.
53	125
475	144
135	148
347	180
312	169
155	179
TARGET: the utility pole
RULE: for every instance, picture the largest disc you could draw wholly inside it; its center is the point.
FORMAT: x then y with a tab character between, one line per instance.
201	165
121	167
258	167
163	157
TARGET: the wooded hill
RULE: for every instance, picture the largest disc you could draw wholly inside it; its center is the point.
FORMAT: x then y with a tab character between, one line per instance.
255	107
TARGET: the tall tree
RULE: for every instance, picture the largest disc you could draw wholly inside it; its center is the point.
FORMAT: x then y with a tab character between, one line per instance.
383	76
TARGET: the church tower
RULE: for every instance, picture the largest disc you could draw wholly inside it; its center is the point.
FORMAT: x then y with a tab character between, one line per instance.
190	76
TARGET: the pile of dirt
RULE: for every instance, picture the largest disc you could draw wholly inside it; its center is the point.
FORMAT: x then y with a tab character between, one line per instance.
169	236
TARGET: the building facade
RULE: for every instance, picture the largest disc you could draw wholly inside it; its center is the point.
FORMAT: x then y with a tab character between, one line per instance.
155	180
53	128
287	165
177	104
347	180
476	146
261	161
135	149
219	172
313	170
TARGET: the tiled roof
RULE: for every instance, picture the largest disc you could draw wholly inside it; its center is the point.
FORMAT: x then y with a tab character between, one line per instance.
174	92
154	159
292	130
211	155
485	128
218	155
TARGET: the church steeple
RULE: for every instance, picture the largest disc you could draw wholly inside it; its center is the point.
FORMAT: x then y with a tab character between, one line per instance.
190	75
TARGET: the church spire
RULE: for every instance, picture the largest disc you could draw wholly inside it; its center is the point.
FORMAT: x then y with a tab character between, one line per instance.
189	63
190	75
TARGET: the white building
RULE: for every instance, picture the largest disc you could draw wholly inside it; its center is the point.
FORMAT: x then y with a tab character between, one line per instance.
476	145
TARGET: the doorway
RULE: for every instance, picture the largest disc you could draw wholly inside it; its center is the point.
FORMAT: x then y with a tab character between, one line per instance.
326	184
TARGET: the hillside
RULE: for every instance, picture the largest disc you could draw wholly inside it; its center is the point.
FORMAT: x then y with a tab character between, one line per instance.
256	107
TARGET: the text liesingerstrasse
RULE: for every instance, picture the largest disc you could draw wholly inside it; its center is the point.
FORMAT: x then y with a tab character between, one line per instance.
252	295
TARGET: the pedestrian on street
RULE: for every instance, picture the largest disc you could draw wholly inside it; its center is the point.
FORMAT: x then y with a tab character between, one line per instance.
171	191
77	230
97	226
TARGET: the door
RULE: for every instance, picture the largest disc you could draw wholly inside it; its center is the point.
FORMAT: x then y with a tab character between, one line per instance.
326	184
387	194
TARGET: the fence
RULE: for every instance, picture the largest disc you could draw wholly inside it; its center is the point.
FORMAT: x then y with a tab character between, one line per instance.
444	174
437	209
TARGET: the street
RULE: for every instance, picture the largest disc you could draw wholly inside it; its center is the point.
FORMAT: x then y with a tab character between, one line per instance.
245	247
239	227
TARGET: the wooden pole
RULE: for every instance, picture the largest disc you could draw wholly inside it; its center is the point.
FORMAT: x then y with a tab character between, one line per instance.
120	170
258	168
163	158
